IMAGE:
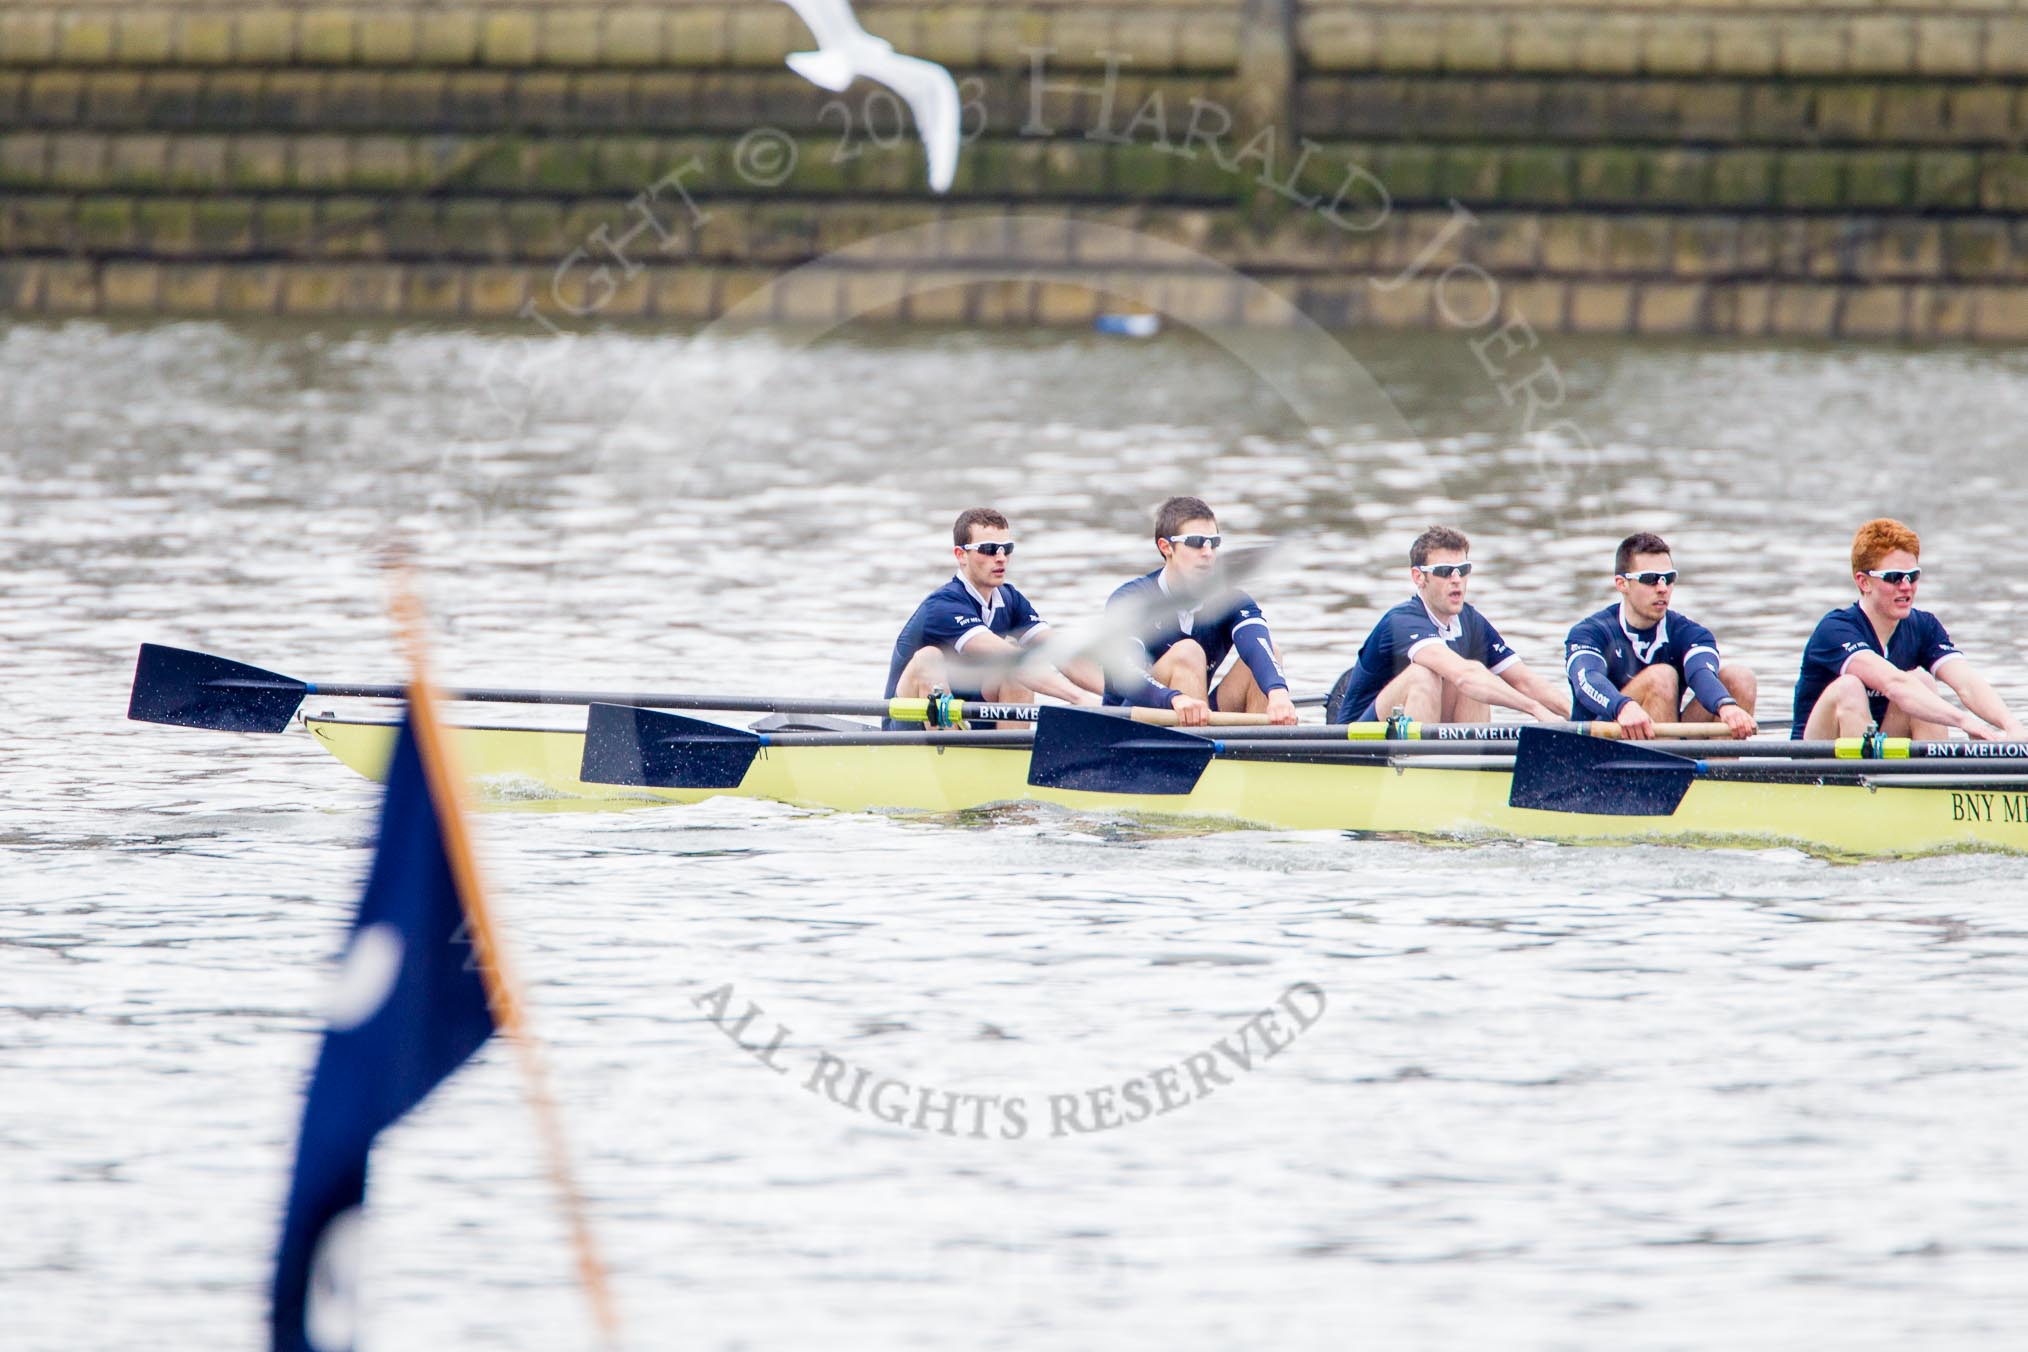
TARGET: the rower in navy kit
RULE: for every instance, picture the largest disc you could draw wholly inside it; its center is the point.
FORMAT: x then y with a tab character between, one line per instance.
1879	660
1638	664
1436	658
978	614
1183	651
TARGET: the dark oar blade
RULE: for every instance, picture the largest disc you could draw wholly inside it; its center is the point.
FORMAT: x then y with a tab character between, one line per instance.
1569	772
1098	753
197	690
628	745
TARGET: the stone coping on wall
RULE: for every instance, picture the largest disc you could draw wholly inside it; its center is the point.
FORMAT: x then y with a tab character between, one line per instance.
573	234
755	33
1352	179
1691	40
1438	109
1811	7
467	293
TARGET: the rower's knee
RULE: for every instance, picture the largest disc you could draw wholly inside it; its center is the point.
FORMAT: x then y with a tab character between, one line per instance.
1848	693
1658	690
1183	666
926	671
1009	691
1740	683
1659	679
1422	681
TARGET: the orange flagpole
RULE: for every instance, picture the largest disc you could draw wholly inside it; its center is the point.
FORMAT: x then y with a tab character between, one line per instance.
447	786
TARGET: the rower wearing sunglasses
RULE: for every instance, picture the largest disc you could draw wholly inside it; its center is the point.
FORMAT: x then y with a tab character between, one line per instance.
978	614
1637	663
1878	660
1182	653
1436	658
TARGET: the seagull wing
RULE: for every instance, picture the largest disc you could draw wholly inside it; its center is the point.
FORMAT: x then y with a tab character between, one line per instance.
831	22
840	39
931	95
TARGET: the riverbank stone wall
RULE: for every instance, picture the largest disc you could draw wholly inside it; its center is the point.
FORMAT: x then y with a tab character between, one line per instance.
1706	167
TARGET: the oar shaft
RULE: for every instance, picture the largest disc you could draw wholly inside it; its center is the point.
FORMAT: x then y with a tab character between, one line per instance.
902	710
1815	769
1678	731
865	708
1017	737
1438	732
1792	758
1308	742
1835	767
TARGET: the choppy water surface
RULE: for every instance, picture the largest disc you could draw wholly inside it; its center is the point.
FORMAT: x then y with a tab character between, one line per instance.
1555	1097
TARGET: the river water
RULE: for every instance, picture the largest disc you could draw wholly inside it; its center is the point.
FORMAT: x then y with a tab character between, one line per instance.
1530	1096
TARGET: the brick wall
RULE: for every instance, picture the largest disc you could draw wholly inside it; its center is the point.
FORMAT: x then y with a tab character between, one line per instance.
1849	169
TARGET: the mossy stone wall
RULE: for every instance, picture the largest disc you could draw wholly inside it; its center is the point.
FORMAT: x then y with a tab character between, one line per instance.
1713	166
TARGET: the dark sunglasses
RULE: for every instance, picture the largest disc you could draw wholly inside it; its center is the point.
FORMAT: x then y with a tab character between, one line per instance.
1894	577
1652	579
1446	569
1195	541
991	548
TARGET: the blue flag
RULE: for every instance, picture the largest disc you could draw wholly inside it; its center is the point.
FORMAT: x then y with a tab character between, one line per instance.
409	1009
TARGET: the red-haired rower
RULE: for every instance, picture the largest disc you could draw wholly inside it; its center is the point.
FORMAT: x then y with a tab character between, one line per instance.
1878	660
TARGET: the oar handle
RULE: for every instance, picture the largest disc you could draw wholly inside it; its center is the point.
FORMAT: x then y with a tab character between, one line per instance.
1678	731
1166	718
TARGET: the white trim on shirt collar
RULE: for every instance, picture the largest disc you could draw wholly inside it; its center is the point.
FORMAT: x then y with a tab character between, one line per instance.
1642	650
1456	628
1186	620
986	606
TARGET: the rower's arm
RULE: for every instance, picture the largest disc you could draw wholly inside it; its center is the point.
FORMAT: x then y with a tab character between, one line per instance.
1035	673
1553	696
1592	691
1978	695
1081	670
1473	679
1086	673
1257	649
1141	689
1915	696
1144	690
1700	673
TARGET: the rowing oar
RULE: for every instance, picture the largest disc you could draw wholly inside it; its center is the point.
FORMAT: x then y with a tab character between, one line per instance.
1074	750
1557	772
632	745
1087	750
1402	730
196	690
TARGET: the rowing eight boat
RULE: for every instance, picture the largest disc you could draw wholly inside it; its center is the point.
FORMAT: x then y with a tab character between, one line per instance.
1867	811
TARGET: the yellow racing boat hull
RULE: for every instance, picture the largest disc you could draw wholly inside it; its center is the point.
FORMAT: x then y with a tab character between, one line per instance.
539	767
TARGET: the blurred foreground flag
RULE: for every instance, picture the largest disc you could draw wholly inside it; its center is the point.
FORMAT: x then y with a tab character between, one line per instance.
409	1008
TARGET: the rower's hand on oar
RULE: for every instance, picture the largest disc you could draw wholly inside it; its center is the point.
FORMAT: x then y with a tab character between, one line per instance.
1192	712
1737	719
1281	708
1635	723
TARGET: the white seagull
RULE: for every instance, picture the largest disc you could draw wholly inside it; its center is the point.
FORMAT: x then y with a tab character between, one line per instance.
846	51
